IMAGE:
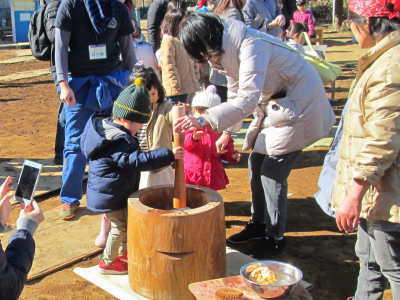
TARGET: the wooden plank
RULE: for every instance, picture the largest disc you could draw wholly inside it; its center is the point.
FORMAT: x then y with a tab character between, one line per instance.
62	265
60	243
24	75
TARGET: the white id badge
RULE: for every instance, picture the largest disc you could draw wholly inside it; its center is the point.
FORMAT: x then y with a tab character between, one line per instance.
97	52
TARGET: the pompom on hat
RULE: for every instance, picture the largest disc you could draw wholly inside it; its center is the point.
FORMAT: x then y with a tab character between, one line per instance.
207	98
133	104
376	8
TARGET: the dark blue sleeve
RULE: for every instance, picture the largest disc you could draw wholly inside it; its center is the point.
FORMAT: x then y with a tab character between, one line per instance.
126	27
64	15
15	263
145	161
155	16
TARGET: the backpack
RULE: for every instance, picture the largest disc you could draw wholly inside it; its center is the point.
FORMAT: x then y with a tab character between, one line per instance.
41	30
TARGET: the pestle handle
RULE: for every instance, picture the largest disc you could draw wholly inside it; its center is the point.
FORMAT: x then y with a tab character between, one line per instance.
179	198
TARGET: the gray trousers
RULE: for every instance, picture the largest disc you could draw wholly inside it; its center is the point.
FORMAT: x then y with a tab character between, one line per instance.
268	181
116	241
378	248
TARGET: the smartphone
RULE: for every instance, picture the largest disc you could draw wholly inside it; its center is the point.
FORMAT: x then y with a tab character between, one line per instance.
27	181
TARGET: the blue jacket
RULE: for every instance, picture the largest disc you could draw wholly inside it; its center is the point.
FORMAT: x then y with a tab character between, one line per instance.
15	263
98	92
115	162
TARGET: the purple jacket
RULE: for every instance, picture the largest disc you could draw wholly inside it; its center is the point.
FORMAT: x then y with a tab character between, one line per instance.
306	18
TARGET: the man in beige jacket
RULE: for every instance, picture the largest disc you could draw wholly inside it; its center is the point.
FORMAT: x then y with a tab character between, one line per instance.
366	193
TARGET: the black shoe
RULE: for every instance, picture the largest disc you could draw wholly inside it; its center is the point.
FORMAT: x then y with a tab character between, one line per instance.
58	161
252	231
268	247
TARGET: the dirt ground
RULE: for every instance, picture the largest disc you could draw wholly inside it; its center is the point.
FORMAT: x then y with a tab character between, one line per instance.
326	257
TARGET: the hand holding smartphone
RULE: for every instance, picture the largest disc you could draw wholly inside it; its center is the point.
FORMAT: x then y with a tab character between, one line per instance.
27	182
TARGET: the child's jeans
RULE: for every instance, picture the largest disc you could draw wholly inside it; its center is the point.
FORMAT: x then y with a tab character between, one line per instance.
116	242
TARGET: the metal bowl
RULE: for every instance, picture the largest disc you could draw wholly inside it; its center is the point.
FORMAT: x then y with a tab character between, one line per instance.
288	276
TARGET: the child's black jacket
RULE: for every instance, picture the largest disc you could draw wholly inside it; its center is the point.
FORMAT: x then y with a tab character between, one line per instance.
115	162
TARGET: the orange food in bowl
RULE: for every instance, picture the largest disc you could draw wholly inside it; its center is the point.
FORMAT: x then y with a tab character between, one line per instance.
263	275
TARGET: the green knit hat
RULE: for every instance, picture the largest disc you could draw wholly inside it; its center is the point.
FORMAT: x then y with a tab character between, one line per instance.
133	104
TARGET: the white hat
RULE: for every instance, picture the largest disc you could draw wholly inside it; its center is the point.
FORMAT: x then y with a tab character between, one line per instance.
207	98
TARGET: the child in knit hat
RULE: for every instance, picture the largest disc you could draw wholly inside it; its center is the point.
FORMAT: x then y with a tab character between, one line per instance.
202	163
115	163
156	133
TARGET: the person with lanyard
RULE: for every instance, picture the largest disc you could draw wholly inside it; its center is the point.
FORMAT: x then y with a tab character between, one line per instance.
262	73
360	180
90	38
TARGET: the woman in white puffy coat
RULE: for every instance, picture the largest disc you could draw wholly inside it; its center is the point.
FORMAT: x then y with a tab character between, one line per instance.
261	74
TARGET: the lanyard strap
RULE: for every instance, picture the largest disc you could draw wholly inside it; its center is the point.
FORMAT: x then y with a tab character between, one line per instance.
283	45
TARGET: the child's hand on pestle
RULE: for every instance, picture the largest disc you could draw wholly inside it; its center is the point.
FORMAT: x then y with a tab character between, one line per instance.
178	152
197	135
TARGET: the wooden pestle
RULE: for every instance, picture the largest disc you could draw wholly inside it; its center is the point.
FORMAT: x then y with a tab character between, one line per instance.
179	198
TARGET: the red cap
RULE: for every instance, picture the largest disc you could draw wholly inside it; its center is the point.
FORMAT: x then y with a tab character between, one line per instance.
376	8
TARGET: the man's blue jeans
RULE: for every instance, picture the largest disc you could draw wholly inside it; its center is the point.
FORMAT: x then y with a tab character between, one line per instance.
76	118
378	248
60	134
268	181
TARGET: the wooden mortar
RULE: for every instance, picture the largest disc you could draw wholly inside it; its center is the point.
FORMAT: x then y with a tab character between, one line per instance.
170	248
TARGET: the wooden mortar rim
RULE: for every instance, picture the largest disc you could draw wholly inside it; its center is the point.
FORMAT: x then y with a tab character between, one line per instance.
216	200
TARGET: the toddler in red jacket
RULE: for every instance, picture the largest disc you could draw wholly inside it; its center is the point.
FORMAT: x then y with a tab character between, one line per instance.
203	165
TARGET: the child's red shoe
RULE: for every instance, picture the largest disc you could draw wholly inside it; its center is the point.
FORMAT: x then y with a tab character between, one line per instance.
117	267
123	257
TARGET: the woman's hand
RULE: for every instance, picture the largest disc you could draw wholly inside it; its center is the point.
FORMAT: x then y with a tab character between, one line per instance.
5	208
67	94
32	211
5	205
280	21
222	143
348	214
5	187
185	123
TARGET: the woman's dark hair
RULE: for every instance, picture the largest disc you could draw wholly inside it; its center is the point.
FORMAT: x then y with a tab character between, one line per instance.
377	25
201	35
175	12
224	4
383	26
296	28
150	79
